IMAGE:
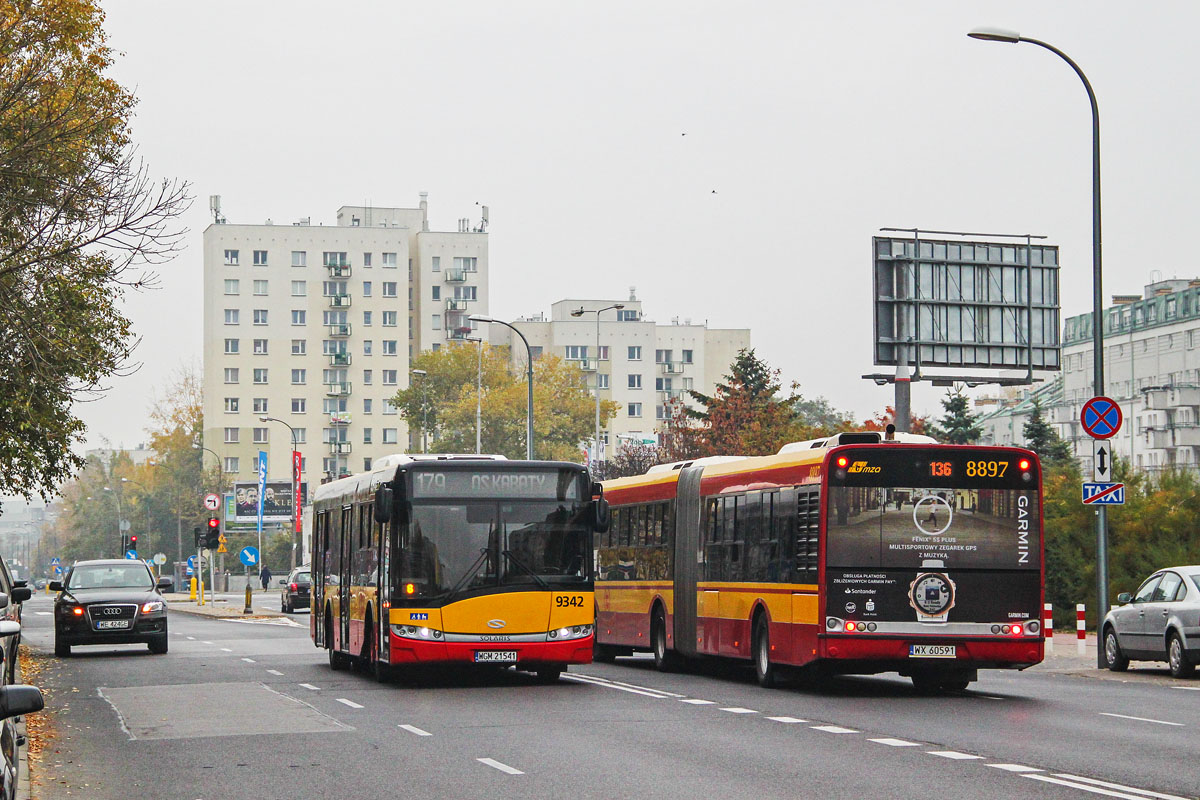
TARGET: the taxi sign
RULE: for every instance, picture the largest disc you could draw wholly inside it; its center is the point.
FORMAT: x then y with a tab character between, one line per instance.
1104	494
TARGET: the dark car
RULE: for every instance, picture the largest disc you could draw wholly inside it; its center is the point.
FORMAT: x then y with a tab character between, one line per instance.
14	701
296	588
12	594
109	601
1160	622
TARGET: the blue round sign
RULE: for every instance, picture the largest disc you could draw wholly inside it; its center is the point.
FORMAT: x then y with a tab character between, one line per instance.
249	556
131	555
191	562
1101	417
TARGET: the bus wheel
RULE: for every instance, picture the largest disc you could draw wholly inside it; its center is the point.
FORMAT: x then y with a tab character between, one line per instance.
927	684
664	660
764	670
549	674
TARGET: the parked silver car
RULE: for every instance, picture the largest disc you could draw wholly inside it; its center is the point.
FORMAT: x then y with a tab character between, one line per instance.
1159	622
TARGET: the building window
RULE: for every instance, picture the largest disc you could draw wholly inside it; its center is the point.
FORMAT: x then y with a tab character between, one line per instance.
389	288
367	319
465	292
437	263
437	322
465	263
260	347
662	356
231	405
389	435
366	288
366	347
231	347
231	465
603	353
627	315
635	353
366	260
260	375
366	436
388	406
260	258
231	258
299	288
662	384
634	380
634	409
260	316
260	405
389	347
660	412
231	374
389	319
299	405
437	293
576	352
299	258
299	316
231	435
260	287
232	316
389	377
335	259
368	376
389	260
301	435
687	356
601	380
299	376
299	347
260	435
231	286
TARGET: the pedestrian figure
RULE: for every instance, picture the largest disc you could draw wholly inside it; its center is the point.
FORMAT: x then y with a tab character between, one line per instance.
265	577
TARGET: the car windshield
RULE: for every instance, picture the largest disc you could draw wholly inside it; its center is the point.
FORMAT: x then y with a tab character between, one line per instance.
302	577
110	576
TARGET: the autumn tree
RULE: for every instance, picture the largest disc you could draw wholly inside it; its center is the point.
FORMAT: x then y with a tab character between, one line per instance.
634	458
820	417
959	425
879	422
1042	439
80	222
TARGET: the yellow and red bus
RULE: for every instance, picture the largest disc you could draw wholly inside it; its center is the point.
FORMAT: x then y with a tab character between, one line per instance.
456	559
855	554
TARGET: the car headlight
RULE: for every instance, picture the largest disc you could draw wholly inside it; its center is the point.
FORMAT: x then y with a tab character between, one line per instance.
153	605
413	632
570	632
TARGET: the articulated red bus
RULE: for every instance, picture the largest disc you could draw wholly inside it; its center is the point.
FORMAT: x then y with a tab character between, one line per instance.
848	555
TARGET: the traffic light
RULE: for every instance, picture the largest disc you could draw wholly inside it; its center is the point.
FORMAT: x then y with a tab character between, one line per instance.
198	533
212	536
132	542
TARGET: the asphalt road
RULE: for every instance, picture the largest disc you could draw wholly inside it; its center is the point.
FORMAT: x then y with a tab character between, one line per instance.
250	709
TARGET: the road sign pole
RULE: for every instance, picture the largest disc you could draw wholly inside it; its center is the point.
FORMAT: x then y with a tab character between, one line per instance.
1101	417
199	573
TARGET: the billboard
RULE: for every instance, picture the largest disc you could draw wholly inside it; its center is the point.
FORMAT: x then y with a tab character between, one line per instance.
966	304
277	505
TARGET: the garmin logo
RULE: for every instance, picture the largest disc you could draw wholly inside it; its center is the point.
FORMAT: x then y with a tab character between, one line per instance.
862	466
1022	529
496	623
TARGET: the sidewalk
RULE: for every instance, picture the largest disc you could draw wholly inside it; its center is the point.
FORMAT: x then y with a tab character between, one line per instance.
224	605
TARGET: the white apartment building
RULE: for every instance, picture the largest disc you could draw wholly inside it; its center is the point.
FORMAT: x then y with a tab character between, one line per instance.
638	363
316	326
1152	370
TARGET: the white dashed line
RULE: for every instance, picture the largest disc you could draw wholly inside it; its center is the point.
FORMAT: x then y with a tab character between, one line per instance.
895	742
611	685
44	613
192	638
692	701
415	730
833	729
787	720
275	672
226	650
350	703
502	767
739	710
249	660
647	688
1142	719
203	642
1101	787
1014	768
1188	688
953	754
310	687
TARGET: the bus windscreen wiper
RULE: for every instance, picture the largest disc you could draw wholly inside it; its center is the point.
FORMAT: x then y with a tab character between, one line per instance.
508	554
470	573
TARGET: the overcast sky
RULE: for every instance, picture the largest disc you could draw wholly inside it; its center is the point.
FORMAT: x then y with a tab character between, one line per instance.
815	124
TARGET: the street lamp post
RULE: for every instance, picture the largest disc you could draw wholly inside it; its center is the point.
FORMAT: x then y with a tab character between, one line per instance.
579	313
423	375
529	379
1012	37
294	515
220	491
478	395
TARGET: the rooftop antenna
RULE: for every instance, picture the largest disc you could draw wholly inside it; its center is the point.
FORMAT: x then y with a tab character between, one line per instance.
484	223
214	207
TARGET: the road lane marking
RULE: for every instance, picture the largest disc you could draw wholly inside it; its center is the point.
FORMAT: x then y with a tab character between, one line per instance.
44	613
1097	787
896	742
226	650
350	703
192	638
310	687
693	701
1142	719
415	730
249	660
647	688
1188	688
275	672
491	762
833	729
787	720
953	754
610	685
203	642
739	710
1014	768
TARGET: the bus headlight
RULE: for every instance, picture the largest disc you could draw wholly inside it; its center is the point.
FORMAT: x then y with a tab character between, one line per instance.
413	632
570	632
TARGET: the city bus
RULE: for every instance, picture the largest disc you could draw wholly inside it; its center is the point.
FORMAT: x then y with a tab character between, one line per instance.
430	560
858	554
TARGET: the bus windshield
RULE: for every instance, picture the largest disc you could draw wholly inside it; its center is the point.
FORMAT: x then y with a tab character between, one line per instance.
455	547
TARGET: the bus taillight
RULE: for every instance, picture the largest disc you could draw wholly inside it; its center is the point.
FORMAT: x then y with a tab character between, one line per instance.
1023	464
842	461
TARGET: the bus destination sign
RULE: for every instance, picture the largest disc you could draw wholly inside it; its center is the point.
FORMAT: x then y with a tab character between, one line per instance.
522	485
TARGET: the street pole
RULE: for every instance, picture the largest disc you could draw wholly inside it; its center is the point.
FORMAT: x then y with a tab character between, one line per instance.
1011	37
478	395
423	375
529	379
292	470
579	313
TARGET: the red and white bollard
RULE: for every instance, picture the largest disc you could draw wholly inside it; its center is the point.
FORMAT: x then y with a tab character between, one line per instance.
1080	630
1048	627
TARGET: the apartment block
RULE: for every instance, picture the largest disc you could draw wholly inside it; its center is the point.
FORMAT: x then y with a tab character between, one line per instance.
636	362
316	325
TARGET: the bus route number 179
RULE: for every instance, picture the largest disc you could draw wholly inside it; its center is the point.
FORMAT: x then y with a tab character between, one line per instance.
564	601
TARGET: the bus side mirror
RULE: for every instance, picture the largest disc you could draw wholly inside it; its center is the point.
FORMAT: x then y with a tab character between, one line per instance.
601	516
384	500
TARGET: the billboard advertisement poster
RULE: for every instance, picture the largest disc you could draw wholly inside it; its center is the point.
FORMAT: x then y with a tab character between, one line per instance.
277	501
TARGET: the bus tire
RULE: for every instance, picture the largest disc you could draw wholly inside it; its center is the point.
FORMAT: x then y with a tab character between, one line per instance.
1114	659
764	671
549	674
337	659
927	684
665	660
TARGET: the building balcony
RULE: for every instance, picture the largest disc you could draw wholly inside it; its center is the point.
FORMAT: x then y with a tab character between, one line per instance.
1157	398
665	396
339	448
1183	397
341	389
1156	439
455	276
339	359
671	368
457	334
339	418
587	364
338	270
339	331
456	304
339	300
1186	437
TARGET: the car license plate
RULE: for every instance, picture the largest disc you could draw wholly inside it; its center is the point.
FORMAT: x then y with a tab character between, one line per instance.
931	651
495	656
113	623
